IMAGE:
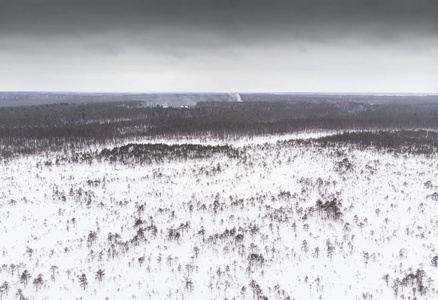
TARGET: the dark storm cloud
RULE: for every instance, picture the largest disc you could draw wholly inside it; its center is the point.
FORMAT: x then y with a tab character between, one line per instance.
166	25
219	45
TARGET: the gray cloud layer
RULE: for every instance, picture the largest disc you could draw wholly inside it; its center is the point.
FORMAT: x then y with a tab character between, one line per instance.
193	28
212	22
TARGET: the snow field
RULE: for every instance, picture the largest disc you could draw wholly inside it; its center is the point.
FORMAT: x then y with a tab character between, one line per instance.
221	228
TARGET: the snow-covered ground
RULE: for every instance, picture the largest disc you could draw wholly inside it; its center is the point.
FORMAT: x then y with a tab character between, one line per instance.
222	228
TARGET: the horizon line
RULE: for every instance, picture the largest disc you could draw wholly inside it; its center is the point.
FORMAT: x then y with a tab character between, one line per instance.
234	92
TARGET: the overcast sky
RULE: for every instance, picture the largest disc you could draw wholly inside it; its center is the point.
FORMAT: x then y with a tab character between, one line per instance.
219	45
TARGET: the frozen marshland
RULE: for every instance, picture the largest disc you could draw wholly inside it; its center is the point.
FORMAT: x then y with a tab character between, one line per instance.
253	219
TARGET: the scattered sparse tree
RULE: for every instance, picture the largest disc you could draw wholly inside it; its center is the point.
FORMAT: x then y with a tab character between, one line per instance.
83	280
386	278
330	249
24	278
366	257
100	274
21	295
316	252
189	284
53	269
304	246
38	281
434	261
4	289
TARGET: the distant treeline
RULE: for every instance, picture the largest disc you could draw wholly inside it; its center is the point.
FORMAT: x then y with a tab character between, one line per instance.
8	99
153	153
385	139
307	97
253	118
71	114
57	124
412	141
397	142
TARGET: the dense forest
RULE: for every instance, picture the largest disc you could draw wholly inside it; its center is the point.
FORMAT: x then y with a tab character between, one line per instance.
25	128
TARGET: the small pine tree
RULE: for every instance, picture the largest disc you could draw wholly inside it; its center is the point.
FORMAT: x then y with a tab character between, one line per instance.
386	278
330	249
99	274
20	295
4	288
24	278
366	257
316	253
53	269
38	282
83	280
434	261
304	246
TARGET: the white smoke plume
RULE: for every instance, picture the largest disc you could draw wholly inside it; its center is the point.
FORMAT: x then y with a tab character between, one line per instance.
235	97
